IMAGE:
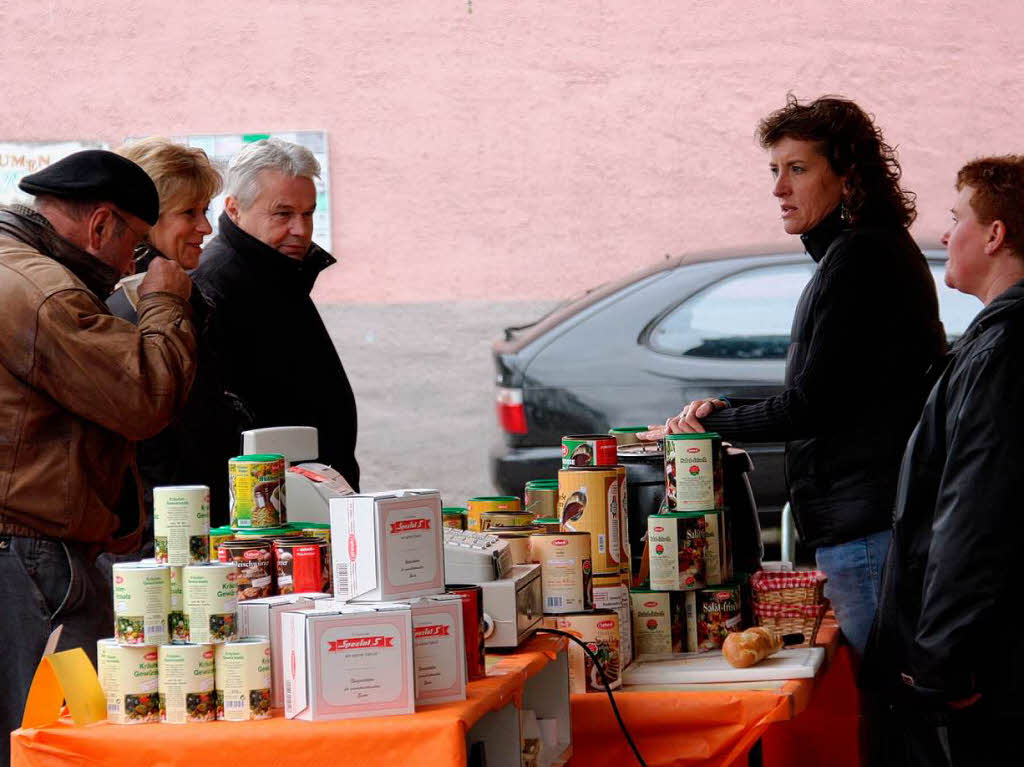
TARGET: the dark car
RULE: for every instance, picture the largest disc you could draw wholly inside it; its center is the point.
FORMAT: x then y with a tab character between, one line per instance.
635	351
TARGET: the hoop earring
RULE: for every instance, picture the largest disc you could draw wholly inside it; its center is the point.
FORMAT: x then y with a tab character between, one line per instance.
844	213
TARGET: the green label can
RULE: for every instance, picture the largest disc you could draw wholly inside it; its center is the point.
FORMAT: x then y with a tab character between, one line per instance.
256	484
580	450
177	625
142	602
128	676
211	603
711	615
692	472
242	679
181	524
541	496
677	545
186	683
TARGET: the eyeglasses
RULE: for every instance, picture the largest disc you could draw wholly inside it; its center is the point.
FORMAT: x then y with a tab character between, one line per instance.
139	238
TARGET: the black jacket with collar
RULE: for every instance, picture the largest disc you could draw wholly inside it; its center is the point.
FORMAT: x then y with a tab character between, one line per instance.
274	350
950	618
865	332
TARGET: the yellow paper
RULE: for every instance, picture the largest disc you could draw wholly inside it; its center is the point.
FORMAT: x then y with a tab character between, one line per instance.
65	676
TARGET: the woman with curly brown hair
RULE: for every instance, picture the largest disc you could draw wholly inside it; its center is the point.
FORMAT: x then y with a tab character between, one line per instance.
869	313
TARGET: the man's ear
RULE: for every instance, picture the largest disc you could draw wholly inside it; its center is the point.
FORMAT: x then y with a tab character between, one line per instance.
231	208
99	229
995	237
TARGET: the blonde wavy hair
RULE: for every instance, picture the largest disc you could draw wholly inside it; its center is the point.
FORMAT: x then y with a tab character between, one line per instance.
182	174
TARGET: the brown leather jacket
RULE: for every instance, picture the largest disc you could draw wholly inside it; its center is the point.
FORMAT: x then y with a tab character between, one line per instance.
78	386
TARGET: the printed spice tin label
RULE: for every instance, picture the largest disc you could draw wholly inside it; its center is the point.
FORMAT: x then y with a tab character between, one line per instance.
677	547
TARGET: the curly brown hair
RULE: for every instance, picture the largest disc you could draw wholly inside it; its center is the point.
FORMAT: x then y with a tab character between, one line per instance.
854	147
998	185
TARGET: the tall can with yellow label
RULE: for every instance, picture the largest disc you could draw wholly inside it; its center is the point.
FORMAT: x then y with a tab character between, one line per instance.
566	571
477	506
256	484
589	501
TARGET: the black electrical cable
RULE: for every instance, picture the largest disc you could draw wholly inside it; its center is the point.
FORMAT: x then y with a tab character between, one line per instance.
607	687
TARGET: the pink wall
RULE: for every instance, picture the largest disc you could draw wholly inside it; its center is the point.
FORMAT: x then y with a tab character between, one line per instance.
531	147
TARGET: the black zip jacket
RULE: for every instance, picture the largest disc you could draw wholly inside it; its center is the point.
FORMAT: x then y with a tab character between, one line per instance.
865	332
949	620
274	350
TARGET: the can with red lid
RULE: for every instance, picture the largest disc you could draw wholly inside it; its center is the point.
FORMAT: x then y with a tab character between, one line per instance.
473	628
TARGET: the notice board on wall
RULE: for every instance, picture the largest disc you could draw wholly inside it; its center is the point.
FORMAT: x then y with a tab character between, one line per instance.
20	158
221	147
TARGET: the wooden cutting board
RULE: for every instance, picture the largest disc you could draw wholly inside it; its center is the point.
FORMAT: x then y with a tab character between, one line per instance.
798	663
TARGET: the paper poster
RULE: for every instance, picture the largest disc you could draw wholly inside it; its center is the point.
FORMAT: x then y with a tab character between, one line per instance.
18	159
221	147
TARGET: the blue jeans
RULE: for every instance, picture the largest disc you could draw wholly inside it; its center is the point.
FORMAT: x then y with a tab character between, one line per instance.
44	583
854	571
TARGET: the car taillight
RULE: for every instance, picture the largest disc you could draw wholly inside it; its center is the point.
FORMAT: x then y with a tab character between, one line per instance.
511	414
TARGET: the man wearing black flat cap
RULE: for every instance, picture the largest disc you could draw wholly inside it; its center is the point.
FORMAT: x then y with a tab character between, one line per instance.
78	387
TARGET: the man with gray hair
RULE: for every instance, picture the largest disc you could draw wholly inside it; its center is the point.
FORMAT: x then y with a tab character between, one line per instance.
258	272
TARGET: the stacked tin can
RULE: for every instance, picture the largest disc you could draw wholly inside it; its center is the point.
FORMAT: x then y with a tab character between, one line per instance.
692	601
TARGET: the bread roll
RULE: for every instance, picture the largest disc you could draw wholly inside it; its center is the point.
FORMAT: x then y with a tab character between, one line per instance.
745	648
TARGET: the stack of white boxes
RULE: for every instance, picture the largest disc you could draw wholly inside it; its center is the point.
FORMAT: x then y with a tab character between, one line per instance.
391	638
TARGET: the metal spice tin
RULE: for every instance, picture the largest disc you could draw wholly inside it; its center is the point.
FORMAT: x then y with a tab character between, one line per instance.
186	683
455	516
567	574
627	435
588	450
142	602
659	621
254	567
589	501
711	615
256	484
489	519
181	524
549	525
693	472
677	545
217	536
518	538
480	504
177	624
242	678
128	676
211	602
600	630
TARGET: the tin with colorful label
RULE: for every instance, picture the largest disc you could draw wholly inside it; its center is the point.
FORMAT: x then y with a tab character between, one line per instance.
600	631
711	615
489	519
217	536
611	594
177	624
659	621
693	474
302	565
566	570
129	678
211	602
541	497
254	567
588	501
547	525
627	435
623	515
181	524
186	683
242	678
455	516
677	545
479	505
256	484
142	602
588	450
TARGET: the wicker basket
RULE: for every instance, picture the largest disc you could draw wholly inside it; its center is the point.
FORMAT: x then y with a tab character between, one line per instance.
790	602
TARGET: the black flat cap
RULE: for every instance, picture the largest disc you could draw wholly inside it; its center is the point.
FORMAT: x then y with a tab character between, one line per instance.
95	174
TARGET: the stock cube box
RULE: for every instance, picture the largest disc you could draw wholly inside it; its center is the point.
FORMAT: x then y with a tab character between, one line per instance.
439	649
262	617
349	662
387	546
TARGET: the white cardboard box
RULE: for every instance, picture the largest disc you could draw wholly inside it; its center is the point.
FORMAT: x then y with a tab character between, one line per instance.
387	546
262	617
348	662
439	649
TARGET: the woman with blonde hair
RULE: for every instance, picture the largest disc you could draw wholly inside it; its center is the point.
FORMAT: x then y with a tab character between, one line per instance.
195	448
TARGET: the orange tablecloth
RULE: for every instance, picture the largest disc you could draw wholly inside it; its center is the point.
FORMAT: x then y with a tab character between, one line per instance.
433	735
710	727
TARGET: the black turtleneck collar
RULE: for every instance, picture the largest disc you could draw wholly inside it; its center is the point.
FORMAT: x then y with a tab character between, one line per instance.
273	261
32	228
817	241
